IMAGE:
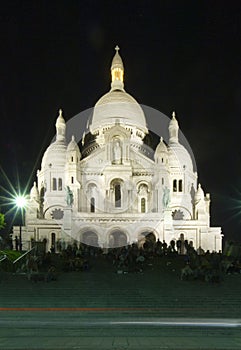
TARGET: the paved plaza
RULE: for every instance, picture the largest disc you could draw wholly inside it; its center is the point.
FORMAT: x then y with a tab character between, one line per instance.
100	309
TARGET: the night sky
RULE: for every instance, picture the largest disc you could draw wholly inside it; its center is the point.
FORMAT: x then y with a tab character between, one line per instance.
178	55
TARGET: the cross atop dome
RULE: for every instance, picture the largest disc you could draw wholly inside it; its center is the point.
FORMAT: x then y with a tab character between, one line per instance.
117	71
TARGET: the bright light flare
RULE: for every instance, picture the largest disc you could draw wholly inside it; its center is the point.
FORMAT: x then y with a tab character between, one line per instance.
20	201
11	200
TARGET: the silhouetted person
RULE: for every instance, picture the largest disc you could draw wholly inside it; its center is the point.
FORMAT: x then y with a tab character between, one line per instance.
16	243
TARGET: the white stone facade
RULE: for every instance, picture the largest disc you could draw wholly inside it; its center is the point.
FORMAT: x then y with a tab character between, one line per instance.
117	189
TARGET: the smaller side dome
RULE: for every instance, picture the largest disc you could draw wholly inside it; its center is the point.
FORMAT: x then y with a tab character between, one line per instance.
73	153
55	154
34	193
179	157
161	150
161	147
73	146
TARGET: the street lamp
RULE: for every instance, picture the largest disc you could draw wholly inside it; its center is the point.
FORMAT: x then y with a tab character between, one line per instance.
20	202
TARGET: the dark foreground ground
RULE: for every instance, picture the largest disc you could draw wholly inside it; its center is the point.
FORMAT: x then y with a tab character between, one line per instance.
100	309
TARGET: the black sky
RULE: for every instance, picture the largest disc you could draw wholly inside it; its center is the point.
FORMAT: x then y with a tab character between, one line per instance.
182	55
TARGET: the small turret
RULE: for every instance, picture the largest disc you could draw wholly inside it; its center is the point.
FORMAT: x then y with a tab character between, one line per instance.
199	195
34	193
173	129
73	153
201	207
161	152
60	127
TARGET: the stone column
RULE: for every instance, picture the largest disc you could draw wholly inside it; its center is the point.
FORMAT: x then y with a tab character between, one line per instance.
67	221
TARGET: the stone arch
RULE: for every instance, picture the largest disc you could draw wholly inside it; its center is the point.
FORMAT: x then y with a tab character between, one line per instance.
117	238
187	215
143	190
90	237
92	196
112	135
115	179
91	187
90	183
143	182
47	214
148	235
51	239
116	187
117	131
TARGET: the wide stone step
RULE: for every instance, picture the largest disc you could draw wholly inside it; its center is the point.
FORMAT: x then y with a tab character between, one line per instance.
141	291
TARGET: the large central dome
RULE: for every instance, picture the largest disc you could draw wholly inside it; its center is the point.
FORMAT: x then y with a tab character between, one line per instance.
117	106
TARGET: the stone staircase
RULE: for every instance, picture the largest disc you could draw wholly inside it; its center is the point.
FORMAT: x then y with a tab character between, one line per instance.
102	309
158	291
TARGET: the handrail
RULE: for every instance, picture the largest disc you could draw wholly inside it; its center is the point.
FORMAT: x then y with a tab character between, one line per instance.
20	257
3	258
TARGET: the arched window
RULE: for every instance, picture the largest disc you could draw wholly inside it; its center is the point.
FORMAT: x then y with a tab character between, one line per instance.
117	189
143	205
117	239
180	185
60	184
54	184
89	238
53	240
72	179
72	159
174	185
92	205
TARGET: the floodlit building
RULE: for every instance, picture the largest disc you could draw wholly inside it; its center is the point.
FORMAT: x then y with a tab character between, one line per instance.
118	185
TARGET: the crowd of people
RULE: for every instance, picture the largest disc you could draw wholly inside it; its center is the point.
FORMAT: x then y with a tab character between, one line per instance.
212	267
192	264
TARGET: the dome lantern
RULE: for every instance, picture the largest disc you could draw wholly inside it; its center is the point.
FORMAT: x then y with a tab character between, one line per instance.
117	106
117	72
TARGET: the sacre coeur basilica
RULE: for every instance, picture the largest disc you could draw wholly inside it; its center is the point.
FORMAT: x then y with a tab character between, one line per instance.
116	187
